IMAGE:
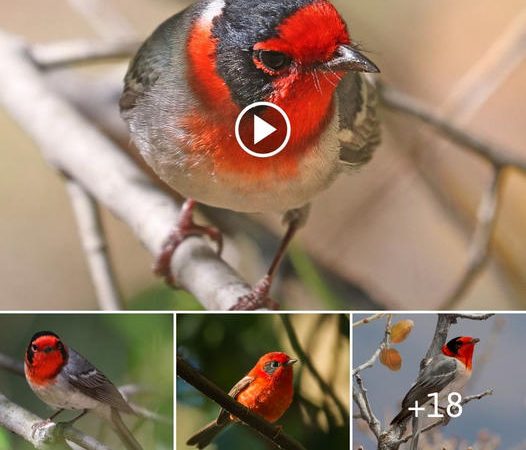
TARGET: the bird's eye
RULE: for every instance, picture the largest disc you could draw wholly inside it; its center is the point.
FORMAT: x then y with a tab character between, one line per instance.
271	61
274	364
34	347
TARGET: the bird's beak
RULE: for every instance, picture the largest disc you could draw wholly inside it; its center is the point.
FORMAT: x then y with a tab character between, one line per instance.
475	340
290	362
348	59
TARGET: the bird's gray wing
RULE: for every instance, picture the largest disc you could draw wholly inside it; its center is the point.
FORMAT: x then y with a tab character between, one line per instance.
359	132
241	385
85	377
154	57
435	377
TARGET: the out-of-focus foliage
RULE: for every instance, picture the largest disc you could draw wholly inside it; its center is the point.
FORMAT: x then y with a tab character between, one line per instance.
134	349
225	347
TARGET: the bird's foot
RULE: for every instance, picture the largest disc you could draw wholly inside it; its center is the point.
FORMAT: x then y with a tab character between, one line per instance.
184	228
43	430
258	298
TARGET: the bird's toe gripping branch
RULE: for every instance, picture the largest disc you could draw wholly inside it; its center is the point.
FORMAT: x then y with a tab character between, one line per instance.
44	431
184	228
258	298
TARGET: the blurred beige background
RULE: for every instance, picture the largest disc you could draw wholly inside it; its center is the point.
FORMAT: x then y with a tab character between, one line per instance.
384	228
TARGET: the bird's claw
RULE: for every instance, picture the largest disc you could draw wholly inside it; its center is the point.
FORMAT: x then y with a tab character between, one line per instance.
183	229
256	299
43	431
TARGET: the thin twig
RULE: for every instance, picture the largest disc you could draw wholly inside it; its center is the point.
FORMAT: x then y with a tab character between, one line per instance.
498	155
385	343
95	247
11	364
272	432
296	346
365	408
105	20
445	419
483	79
68	53
367	320
479	252
145	413
24	423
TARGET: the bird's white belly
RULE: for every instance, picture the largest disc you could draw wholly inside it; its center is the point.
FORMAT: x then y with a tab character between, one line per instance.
62	396
318	167
456	385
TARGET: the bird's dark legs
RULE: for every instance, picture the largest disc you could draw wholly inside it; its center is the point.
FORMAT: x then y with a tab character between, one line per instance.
55	414
60	425
72	421
259	298
184	228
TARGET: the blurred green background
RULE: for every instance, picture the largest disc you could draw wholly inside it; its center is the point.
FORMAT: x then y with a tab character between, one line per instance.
130	349
225	347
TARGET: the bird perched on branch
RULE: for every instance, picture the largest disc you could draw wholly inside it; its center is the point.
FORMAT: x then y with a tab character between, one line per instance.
190	80
64	379
266	390
446	372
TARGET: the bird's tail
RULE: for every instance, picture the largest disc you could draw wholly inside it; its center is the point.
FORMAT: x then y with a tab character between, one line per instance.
401	417
125	435
205	435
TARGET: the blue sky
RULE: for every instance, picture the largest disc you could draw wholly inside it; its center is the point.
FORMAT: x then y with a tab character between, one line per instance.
504	371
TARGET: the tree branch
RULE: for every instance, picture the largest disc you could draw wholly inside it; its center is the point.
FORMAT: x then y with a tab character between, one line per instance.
385	342
75	147
444	322
69	53
444	420
12	365
364	407
359	392
479	250
95	247
23	423
367	320
497	155
272	432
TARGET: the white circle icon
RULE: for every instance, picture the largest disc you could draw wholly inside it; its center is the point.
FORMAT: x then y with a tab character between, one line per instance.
262	129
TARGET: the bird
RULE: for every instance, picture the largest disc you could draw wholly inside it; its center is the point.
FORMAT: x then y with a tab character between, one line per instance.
64	379
445	372
188	82
266	390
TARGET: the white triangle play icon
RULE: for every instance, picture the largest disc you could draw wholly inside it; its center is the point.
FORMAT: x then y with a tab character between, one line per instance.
262	129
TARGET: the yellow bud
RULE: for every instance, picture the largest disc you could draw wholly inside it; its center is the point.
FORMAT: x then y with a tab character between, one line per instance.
390	357
400	330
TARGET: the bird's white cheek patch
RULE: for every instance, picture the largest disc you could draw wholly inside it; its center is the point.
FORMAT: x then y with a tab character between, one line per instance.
214	9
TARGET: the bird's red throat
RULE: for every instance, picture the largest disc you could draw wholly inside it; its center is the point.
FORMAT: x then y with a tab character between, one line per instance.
305	94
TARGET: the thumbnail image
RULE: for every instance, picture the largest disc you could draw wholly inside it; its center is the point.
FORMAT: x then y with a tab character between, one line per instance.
448	381
97	381
262	153
290	371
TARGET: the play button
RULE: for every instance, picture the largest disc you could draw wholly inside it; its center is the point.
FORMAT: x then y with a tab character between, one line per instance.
262	129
